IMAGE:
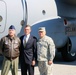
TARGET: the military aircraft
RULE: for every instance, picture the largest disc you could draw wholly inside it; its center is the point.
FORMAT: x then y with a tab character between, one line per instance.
58	16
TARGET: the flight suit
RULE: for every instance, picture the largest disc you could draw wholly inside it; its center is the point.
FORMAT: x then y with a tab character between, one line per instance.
10	51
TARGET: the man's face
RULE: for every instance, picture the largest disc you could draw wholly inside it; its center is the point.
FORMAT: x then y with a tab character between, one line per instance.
42	34
11	32
27	30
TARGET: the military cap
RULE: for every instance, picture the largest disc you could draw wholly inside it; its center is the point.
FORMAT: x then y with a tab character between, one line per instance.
12	27
42	29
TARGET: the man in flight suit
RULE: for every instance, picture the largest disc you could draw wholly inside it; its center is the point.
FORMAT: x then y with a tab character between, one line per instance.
10	45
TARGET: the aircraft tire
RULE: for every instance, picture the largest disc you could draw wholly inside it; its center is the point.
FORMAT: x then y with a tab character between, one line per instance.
68	56
65	52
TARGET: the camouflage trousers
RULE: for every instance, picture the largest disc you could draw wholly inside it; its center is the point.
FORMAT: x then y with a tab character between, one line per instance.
44	68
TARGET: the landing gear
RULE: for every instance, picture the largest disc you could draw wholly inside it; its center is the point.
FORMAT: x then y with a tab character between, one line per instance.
65	51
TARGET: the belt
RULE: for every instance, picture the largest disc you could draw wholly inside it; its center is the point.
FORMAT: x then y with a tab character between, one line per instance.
10	58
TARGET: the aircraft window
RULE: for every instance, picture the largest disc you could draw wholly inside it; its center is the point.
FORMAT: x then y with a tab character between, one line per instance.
1	18
44	12
65	22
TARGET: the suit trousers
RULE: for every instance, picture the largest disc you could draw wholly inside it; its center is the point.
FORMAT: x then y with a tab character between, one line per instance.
27	69
7	64
44	68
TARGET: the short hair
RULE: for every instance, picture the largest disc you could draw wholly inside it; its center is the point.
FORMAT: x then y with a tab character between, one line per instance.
27	26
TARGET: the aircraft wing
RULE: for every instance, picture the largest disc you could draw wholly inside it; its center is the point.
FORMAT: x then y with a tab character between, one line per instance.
66	8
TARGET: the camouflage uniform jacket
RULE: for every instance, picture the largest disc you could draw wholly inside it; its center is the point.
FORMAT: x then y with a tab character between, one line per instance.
45	49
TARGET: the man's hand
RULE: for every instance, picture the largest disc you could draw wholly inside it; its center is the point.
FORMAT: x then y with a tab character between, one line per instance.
33	63
50	62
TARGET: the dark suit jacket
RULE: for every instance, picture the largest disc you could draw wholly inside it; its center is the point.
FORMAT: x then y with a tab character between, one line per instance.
28	53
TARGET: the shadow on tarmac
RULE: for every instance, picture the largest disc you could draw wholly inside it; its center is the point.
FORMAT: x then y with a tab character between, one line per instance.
58	60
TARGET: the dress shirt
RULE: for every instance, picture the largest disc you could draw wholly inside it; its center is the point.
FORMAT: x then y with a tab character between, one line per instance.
26	38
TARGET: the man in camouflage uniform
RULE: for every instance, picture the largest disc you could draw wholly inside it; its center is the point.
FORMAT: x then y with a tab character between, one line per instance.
45	52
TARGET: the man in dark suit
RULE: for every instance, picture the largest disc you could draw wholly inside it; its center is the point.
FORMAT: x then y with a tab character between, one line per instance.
28	52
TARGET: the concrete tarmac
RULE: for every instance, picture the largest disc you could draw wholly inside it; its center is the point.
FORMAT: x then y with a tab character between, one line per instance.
60	67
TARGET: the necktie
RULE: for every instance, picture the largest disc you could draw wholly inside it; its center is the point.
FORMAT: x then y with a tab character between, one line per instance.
25	42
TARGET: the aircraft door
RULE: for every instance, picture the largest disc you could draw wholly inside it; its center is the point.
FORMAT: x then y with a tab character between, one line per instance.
2	16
